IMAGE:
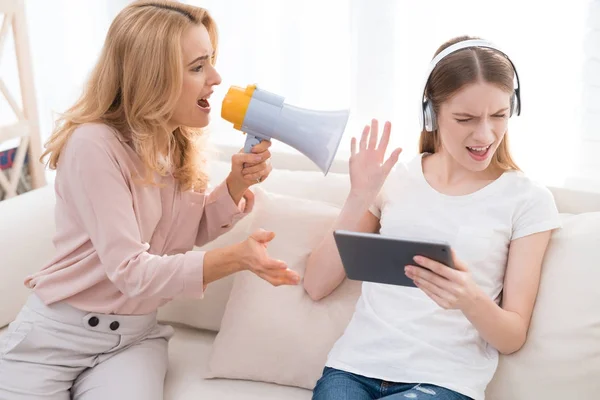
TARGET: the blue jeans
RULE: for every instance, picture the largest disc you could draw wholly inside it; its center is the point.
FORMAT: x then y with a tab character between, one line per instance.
342	385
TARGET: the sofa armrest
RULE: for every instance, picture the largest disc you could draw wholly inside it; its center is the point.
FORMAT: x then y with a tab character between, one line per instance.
26	232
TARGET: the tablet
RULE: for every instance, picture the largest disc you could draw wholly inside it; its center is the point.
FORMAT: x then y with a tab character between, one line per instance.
371	257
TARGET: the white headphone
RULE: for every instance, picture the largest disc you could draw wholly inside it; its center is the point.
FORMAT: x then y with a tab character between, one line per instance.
427	117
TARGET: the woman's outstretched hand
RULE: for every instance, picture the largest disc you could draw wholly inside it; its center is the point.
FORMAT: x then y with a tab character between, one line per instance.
254	257
368	170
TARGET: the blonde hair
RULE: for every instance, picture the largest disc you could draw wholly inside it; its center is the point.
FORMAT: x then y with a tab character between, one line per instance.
134	88
462	68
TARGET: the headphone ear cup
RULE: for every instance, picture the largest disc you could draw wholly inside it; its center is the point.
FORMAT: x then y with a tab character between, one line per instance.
514	104
430	118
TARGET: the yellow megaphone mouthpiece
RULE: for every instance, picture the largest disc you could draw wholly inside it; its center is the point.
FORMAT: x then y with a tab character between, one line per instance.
235	105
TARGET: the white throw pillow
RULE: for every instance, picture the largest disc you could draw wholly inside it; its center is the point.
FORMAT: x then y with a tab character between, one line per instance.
278	334
208	312
561	358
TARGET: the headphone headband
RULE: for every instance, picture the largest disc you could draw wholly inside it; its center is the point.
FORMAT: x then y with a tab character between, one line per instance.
454	48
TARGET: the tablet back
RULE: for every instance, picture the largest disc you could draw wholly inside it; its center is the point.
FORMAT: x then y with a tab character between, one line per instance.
372	257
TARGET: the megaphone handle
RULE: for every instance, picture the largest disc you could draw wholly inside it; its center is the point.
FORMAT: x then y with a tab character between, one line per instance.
251	141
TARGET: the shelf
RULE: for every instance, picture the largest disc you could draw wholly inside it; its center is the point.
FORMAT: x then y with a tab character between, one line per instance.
25	132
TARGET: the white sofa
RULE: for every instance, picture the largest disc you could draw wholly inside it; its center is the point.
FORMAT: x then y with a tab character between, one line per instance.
561	359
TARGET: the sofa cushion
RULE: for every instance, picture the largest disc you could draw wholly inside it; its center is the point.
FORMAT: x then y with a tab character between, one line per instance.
26	232
207	312
278	334
561	358
188	358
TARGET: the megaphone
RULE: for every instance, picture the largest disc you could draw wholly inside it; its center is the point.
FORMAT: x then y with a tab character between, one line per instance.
264	116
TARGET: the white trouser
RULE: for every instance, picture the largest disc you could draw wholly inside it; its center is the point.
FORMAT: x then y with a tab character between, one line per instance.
58	352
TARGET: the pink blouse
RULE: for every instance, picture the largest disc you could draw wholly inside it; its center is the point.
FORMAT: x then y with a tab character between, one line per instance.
123	247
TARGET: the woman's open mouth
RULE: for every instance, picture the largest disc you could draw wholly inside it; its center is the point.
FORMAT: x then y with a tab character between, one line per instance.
203	103
479	153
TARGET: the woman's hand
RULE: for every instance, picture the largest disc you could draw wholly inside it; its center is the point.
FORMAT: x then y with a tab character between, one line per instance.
253	256
368	170
449	288
248	169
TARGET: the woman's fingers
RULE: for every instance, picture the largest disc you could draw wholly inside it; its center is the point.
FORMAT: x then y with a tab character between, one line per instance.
261	147
263	166
391	161
282	277
262	175
385	138
420	274
374	134
240	160
364	138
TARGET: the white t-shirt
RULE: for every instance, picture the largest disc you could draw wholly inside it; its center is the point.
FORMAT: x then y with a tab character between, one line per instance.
399	334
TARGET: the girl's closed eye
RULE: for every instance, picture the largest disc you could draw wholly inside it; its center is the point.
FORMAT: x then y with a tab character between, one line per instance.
469	119
198	68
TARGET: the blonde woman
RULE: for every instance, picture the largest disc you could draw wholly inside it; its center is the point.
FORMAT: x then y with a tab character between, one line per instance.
132	200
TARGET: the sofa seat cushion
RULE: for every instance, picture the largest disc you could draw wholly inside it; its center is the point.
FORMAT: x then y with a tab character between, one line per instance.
189	352
188	359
